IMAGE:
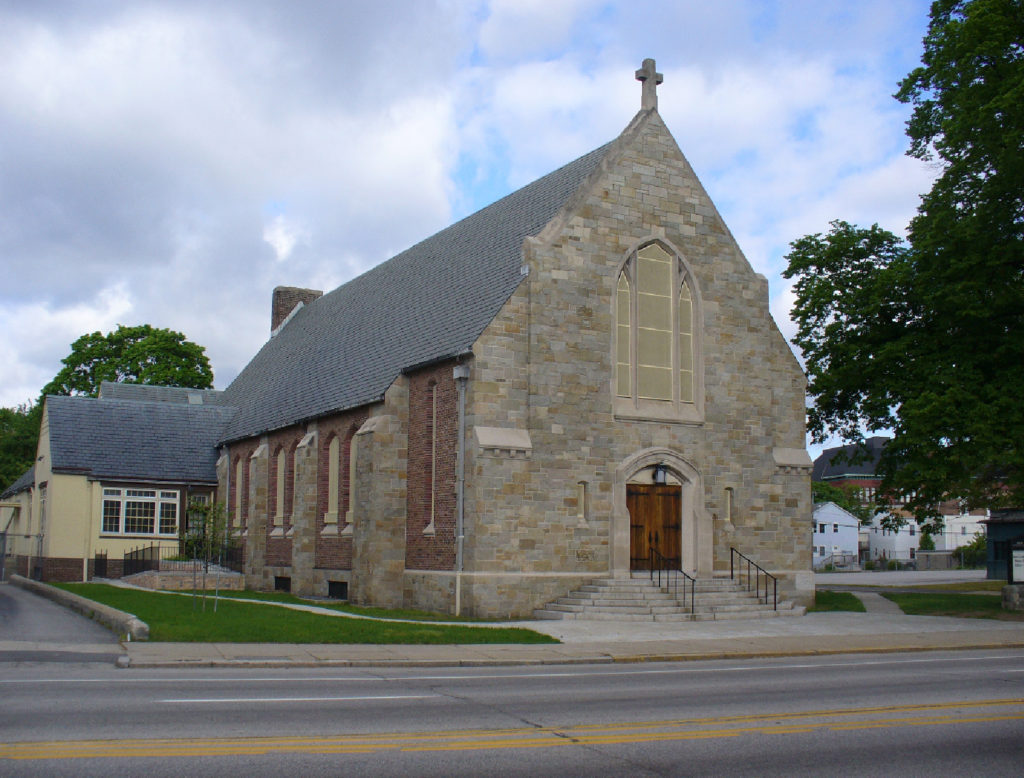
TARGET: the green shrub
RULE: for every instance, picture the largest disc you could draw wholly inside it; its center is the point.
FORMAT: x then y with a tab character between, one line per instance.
975	553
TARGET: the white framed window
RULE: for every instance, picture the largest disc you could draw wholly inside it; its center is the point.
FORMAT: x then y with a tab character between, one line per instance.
139	512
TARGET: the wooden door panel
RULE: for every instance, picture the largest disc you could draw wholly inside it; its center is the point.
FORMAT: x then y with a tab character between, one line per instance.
655	519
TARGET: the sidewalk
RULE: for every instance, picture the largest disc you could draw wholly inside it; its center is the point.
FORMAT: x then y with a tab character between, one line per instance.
898	578
605	642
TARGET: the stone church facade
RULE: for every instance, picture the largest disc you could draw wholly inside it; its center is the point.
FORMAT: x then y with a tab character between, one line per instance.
580	380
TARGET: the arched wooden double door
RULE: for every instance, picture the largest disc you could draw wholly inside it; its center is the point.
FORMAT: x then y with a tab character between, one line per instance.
655	513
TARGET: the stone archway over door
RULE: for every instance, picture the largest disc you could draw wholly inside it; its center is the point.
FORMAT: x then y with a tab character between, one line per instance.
695	532
655	522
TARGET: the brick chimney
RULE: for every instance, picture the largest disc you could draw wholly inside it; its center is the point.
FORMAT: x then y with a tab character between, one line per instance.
284	301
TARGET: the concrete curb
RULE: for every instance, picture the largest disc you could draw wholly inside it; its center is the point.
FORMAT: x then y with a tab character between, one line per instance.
124	624
596	659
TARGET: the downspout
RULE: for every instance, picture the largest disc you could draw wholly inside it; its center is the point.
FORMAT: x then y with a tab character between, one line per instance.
461	375
227	517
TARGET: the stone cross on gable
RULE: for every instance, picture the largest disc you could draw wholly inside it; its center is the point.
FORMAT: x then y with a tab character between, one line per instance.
650	78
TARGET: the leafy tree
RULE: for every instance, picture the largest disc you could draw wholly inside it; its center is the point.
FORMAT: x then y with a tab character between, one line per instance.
927	542
926	338
845	497
203	535
19	435
134	355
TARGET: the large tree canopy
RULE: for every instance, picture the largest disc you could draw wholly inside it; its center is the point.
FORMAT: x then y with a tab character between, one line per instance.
19	434
134	355
926	338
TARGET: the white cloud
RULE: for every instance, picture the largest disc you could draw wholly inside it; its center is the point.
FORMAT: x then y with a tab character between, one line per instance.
38	336
282	235
523	29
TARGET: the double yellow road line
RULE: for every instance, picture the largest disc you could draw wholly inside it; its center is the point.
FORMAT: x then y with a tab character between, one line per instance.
780	723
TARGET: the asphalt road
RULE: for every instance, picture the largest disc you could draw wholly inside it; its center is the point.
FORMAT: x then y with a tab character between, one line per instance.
912	714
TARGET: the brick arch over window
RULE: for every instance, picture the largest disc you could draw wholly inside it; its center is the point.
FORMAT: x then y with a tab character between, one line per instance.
239	497
277	488
657	348
282	483
346	464
289	480
332	451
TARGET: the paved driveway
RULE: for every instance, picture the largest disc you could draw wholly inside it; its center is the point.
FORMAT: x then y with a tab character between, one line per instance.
34	629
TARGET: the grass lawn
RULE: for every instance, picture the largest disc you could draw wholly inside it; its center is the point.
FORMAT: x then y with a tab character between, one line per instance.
181	619
343	607
969	606
835	601
996	587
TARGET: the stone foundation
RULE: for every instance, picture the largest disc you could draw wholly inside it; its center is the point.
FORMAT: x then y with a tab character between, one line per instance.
488	595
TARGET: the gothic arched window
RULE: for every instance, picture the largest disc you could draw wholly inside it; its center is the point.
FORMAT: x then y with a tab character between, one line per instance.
656	354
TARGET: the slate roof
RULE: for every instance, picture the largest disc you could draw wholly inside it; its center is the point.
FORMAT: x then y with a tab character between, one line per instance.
138	441
25	481
850	461
428	303
115	390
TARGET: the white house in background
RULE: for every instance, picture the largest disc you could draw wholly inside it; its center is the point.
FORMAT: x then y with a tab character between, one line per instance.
836	532
893	544
903	544
958	530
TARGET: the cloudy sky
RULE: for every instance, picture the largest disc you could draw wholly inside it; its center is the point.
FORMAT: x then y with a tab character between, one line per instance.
171	162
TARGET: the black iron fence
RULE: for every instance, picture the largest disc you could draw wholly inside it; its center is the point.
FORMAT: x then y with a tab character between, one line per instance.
166	558
139	560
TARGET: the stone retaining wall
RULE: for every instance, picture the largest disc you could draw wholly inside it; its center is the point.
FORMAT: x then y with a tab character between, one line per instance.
182	580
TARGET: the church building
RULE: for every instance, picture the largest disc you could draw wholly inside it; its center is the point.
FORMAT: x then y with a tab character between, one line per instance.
578	381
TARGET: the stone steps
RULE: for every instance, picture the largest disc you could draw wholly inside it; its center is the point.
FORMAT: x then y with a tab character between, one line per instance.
638	599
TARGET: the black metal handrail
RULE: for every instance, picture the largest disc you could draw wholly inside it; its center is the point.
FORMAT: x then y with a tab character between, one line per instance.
671	565
758	572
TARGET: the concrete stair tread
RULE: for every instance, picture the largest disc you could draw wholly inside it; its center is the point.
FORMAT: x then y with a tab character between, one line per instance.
638	599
